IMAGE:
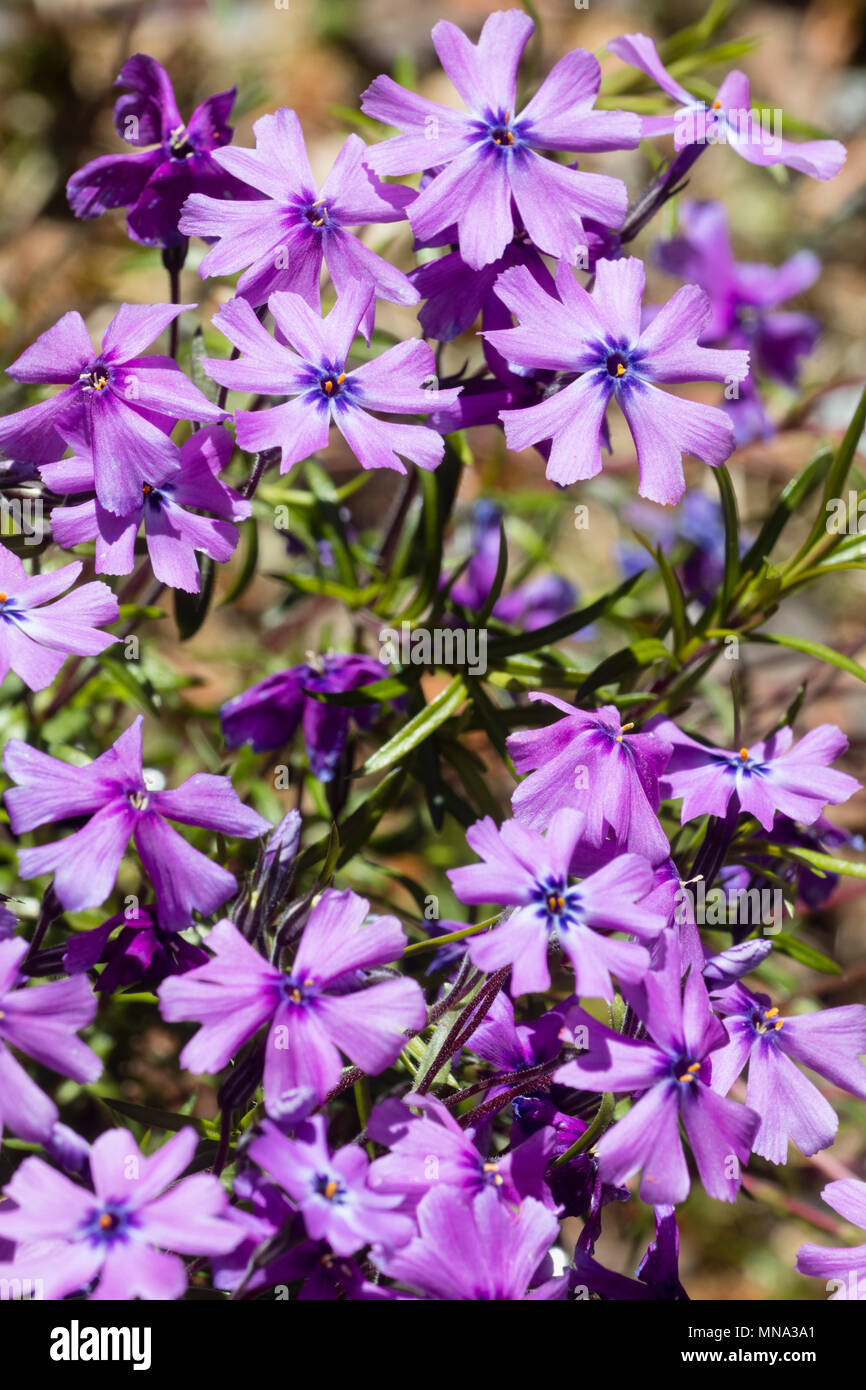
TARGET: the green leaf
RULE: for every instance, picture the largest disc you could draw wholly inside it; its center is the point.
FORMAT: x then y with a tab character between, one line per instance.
806	955
732	539
563	627
190	610
815	649
625	661
160	1119
398	748
250	538
793	495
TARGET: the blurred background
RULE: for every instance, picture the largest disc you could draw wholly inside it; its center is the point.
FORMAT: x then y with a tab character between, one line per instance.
58	61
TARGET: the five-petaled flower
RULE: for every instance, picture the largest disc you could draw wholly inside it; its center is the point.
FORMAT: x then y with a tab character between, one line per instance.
326	390
487	155
154	183
122	801
597	340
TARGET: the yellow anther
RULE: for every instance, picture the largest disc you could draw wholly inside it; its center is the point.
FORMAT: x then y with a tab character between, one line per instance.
771	1013
3	598
341	378
329	386
624	728
717	105
331	1189
295	996
106	1222
744	755
620	369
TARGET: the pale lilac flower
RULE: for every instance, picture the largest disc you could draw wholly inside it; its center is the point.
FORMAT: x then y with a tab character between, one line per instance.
37	635
118	1233
598	339
281	239
487	154
315	371
729	119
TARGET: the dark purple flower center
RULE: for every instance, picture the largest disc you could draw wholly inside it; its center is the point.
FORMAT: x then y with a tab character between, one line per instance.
686	1071
318	214
298	991
108	1225
766	1021
557	902
330	1188
180	145
502	131
331	384
96	378
8	608
617	365
742	762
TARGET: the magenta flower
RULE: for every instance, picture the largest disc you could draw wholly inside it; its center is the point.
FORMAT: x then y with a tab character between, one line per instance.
670	1072
594	763
599	338
172	531
331	1190
487	155
432	1149
124	802
479	1250
729	119
41	1022
153	183
828	1041
777	775
532	873
267	715
310	1015
117	1234
122	403
326	390
281	238
36	635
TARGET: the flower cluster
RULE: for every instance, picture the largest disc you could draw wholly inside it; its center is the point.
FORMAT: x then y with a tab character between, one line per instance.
386	1129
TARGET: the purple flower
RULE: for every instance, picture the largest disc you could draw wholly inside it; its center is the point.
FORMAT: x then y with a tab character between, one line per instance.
531	872
281	238
478	1250
431	1148
123	404
671	1072
540	600
325	389
829	1042
657	1275
846	1266
118	1233
729	119
267	715
743	296
122	801
173	533
511	1046
592	762
42	1022
487	154
36	636
153	183
140	953
599	337
310	1016
331	1190
766	778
